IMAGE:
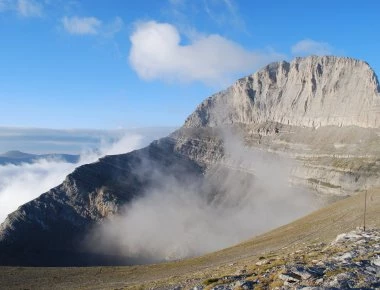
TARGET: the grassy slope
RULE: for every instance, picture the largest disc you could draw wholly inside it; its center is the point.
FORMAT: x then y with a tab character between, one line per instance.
320	226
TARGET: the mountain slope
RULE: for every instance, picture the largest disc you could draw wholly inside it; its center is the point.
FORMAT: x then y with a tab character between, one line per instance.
321	226
321	112
56	221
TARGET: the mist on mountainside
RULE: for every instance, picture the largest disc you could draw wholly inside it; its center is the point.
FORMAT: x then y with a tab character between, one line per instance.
20	183
244	195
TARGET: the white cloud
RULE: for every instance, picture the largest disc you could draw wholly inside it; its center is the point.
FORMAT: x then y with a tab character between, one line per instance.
81	25
309	47
25	8
92	26
157	53
22	183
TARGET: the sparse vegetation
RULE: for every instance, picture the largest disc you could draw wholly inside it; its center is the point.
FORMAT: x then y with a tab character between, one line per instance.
307	233
210	281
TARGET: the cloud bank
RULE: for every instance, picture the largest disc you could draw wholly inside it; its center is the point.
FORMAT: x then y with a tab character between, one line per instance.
157	53
20	184
75	141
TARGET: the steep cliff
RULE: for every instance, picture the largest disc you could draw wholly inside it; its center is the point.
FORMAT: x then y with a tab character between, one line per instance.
312	92
322	111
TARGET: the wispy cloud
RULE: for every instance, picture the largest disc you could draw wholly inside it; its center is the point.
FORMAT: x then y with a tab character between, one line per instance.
225	12
177	2
29	8
91	26
157	53
24	8
310	47
81	25
113	27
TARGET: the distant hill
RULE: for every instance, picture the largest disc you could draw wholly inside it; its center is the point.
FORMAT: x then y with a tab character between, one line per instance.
17	157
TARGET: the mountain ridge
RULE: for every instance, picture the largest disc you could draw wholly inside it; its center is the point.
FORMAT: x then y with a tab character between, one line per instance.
267	117
305	92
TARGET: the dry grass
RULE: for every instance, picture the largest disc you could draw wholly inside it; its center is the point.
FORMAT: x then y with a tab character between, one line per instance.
320	226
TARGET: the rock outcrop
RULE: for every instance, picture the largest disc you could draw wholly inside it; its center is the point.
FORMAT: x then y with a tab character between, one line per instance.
351	261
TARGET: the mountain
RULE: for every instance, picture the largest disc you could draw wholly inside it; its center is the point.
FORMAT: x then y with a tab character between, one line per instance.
321	112
309	92
17	157
55	222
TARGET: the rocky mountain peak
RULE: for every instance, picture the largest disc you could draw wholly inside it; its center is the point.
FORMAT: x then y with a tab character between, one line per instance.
310	92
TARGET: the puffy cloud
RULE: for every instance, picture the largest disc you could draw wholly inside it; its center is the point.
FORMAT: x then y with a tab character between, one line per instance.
309	46
157	53
81	25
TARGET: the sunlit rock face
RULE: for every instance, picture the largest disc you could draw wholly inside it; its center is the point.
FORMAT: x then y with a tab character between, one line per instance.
312	92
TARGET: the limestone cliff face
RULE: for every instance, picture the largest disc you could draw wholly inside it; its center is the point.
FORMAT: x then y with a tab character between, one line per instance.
312	92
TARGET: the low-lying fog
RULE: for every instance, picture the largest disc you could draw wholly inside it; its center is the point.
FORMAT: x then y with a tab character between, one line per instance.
22	183
249	196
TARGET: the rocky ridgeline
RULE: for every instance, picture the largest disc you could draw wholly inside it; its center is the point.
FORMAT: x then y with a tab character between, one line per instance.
324	111
352	260
313	91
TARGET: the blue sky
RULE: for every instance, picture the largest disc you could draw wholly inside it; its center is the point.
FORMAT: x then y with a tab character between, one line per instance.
123	64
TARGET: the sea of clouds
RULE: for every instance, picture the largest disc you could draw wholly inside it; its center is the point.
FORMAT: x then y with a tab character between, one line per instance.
22	183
